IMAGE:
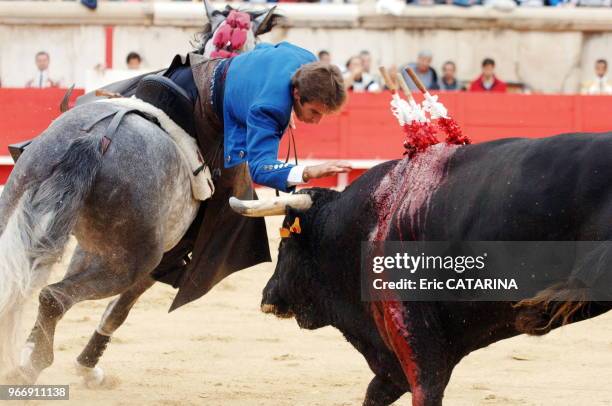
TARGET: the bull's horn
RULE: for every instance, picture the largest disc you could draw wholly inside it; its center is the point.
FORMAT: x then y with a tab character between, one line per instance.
270	207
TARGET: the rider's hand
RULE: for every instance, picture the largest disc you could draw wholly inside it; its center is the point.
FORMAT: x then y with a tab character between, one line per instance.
325	169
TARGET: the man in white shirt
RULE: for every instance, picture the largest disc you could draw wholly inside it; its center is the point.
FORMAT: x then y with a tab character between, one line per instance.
42	79
366	60
601	84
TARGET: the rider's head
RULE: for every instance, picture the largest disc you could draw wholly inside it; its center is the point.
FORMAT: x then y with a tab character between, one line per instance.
318	89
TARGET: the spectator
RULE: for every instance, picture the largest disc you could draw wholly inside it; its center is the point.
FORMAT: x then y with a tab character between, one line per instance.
42	78
424	71
487	81
133	61
357	79
601	84
366	60
324	56
592	3
449	79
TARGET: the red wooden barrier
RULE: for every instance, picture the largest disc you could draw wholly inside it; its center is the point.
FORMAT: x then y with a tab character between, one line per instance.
365	129
25	113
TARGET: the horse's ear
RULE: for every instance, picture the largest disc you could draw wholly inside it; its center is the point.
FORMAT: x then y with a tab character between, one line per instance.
266	21
215	17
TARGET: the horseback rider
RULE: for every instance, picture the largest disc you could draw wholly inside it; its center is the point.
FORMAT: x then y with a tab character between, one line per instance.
242	106
255	105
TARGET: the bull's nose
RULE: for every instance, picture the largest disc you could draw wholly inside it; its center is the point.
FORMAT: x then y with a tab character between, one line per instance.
268	308
276	310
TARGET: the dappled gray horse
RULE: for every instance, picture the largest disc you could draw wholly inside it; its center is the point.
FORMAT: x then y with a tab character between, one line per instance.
127	203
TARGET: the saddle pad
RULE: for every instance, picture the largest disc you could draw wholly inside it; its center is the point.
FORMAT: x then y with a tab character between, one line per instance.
202	186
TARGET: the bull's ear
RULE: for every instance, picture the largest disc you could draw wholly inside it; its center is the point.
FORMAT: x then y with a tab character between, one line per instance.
293	223
215	17
264	22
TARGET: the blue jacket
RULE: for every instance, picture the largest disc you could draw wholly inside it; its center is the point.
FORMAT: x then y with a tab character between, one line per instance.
257	105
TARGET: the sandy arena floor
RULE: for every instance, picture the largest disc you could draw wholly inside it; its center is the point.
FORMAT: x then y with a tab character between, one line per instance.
221	350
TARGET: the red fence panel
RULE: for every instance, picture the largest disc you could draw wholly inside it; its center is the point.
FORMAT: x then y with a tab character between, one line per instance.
365	129
25	113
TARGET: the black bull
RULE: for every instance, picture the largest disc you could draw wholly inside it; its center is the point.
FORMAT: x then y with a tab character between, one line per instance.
556	188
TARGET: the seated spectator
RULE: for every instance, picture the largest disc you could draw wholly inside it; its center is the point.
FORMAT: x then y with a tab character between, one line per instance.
487	81
42	78
358	80
601	84
424	71
324	56
366	60
449	80
593	3
531	3
133	61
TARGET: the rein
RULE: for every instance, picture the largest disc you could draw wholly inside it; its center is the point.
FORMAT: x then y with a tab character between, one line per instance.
291	142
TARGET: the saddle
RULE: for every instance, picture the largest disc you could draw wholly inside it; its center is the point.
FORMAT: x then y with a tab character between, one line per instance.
167	96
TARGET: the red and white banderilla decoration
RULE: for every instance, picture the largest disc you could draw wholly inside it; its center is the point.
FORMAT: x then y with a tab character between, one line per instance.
421	130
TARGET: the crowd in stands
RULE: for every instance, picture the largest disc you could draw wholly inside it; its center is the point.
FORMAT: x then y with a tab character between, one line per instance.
522	3
93	4
466	3
360	77
42	77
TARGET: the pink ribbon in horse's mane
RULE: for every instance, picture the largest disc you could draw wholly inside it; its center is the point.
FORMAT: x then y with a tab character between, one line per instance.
231	35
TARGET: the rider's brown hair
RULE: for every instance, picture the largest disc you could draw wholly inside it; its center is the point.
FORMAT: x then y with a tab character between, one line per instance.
320	82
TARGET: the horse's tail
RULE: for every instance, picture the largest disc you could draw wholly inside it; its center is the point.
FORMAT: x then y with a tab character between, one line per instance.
37	231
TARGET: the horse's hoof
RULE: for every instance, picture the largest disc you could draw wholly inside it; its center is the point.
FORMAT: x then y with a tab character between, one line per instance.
92	377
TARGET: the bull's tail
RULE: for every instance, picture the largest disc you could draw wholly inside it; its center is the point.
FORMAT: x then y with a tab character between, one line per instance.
550	308
37	231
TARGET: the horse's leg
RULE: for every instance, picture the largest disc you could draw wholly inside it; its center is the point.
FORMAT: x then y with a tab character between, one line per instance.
90	277
113	317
